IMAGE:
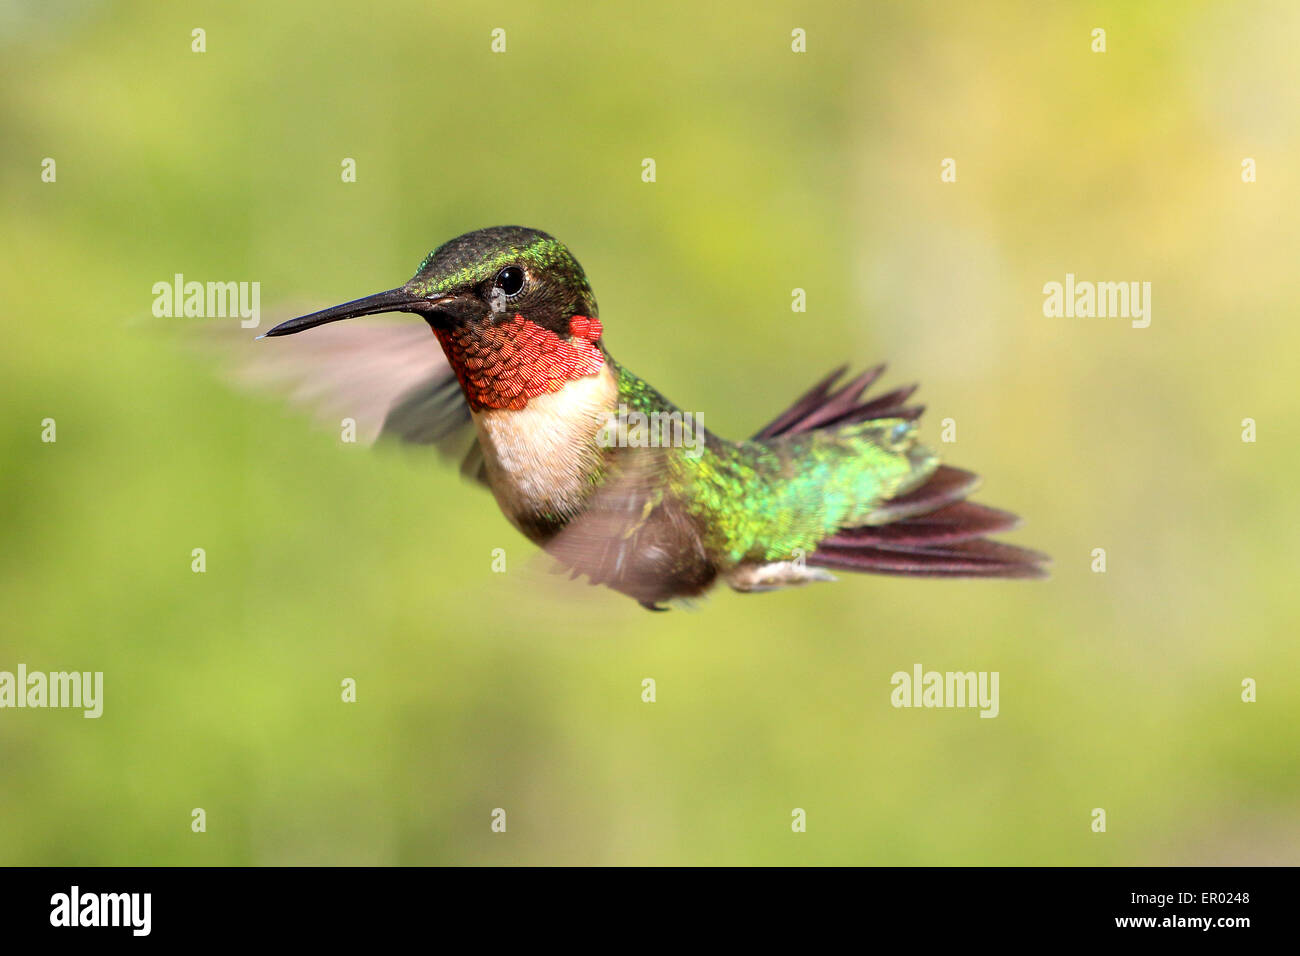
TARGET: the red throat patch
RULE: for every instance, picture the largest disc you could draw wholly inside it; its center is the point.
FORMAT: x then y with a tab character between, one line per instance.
505	365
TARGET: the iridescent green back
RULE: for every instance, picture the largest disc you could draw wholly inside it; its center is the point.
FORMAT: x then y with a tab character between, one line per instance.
775	499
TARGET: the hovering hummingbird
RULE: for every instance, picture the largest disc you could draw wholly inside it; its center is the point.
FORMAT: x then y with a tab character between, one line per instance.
835	482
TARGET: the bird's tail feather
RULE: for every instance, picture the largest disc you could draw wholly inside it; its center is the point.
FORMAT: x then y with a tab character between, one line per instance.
933	532
820	407
930	531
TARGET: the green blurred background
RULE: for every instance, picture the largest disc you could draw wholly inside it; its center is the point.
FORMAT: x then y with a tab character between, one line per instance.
775	170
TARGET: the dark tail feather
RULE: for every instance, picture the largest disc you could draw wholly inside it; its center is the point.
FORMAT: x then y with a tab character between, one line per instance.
821	408
933	532
978	558
806	403
930	531
960	521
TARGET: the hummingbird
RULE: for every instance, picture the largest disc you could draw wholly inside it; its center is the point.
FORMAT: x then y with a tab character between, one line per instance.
600	470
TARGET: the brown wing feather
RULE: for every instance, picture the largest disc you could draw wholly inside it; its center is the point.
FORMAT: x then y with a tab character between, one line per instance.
391	378
633	536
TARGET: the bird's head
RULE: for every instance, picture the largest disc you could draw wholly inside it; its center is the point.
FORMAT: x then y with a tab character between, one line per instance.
510	305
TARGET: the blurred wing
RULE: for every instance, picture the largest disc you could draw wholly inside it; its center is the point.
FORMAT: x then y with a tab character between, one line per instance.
391	379
633	536
430	412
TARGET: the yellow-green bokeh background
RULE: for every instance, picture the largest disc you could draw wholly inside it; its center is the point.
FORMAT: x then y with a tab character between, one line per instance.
775	171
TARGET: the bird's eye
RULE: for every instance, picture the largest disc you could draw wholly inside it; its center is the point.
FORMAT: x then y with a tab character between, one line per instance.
510	280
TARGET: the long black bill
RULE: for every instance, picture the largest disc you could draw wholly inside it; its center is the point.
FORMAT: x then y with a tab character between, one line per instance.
394	300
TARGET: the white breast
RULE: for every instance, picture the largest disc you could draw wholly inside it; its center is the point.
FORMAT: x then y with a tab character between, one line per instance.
539	458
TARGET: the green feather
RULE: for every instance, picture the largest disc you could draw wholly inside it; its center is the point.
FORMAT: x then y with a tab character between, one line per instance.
775	499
